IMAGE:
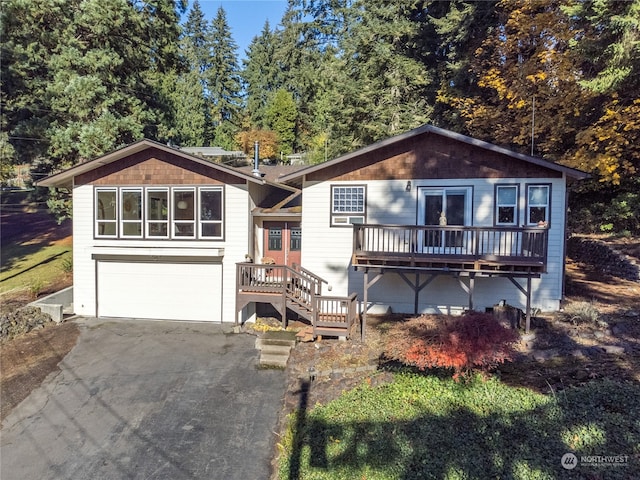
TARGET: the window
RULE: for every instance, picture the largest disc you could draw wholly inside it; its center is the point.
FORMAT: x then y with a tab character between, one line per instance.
184	213
211	212
538	204
348	204
295	239
131	214
275	238
159	212
105	214
506	205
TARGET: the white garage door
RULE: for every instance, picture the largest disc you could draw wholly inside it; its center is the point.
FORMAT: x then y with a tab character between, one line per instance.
171	291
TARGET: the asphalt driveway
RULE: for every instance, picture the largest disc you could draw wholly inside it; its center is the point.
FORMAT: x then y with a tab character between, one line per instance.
148	400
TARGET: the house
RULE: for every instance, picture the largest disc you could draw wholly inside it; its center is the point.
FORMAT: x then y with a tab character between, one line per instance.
425	221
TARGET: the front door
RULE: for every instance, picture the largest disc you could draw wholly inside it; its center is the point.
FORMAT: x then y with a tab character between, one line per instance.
442	207
283	242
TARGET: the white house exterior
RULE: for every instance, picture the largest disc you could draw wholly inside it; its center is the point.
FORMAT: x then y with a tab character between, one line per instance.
159	233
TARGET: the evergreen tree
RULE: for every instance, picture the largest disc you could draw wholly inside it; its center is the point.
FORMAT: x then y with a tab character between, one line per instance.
186	91
281	115
261	75
223	82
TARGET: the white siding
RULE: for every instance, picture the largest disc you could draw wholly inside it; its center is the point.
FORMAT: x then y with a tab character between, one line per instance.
233	247
327	250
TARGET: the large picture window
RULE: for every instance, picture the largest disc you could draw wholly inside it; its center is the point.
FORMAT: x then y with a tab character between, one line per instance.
348	204
506	205
159	212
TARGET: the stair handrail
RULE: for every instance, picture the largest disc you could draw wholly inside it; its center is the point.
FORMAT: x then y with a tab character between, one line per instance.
319	280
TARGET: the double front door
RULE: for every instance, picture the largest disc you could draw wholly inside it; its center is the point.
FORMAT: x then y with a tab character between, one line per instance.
283	242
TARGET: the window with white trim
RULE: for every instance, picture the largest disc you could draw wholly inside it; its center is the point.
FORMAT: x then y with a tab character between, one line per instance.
506	205
538	204
106	212
131	212
348	204
159	212
184	213
211	212
157	216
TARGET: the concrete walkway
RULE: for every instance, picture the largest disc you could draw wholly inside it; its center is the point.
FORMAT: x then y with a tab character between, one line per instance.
148	400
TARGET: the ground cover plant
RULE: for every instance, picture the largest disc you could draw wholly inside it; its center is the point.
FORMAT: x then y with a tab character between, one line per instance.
422	427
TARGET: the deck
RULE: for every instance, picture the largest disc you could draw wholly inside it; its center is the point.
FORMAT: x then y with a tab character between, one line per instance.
419	253
488	250
299	290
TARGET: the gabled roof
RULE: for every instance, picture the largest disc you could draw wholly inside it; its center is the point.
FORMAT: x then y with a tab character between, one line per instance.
65	177
296	178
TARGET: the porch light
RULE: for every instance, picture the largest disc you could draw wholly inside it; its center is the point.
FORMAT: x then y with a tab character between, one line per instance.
408	187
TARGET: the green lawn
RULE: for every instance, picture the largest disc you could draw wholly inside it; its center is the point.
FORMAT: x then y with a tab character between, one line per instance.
25	268
422	427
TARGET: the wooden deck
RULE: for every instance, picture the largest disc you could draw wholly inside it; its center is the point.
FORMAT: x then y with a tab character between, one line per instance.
298	290
450	248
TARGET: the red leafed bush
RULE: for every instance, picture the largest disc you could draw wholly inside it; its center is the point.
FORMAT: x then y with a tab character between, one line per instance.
474	340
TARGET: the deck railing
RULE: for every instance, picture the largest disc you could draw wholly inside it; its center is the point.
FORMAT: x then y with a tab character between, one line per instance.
508	245
300	290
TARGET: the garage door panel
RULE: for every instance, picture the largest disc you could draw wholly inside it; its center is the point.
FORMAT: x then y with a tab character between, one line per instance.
172	291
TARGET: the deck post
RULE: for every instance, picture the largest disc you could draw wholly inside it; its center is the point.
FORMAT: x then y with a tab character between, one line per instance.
528	314
365	300
367	284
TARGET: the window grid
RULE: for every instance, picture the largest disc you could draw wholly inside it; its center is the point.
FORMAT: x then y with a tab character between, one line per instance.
159	212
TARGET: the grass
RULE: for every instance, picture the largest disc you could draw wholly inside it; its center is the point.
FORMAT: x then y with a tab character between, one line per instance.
30	261
422	427
33	271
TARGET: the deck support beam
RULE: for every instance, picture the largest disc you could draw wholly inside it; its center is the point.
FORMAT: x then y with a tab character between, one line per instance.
468	289
527	293
367	284
417	287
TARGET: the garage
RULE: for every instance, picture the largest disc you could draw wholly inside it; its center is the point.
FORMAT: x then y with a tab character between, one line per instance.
160	288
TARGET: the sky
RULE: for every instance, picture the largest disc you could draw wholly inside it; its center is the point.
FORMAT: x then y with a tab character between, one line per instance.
245	17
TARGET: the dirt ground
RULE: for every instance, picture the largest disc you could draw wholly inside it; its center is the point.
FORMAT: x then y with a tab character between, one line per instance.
319	372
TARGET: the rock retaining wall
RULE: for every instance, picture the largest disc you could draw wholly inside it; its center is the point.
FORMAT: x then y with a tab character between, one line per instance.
602	258
21	321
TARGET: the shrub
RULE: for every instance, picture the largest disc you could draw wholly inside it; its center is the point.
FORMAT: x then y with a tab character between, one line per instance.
580	312
474	340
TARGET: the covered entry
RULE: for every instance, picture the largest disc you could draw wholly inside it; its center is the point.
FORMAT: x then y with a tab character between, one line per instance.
283	242
167	288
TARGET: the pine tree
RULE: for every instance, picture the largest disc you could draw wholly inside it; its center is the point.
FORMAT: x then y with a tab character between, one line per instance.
281	116
261	75
223	82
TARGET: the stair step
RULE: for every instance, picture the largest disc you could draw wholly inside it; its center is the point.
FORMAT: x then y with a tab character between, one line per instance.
264	342
276	350
274	360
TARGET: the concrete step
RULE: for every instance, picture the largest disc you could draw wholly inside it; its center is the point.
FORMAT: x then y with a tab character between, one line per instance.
271	360
276	350
265	342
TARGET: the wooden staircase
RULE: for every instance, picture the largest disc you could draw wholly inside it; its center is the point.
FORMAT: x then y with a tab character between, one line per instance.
298	290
